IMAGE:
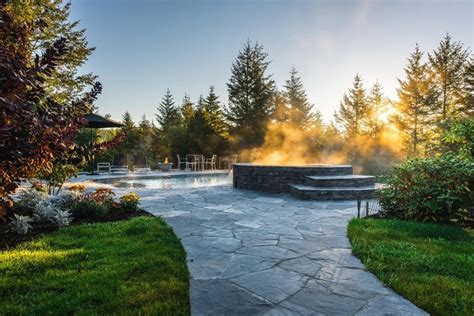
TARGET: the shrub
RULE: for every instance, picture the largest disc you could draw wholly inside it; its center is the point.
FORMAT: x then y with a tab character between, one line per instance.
62	218
431	189
130	201
20	224
30	198
65	200
86	209
44	212
102	196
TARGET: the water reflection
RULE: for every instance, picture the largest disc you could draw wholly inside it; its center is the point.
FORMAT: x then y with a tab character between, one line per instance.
173	182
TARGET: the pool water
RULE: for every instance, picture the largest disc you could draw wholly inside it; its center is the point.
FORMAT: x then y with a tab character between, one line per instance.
168	183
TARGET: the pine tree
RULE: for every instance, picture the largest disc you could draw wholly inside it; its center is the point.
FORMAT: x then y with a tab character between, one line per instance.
131	141
168	114
187	108
128	121
213	113
300	109
250	96
281	113
416	98
353	111
144	124
467	93
448	63
377	107
145	135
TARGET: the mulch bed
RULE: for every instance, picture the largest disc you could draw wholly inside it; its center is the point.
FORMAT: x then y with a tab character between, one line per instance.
10	239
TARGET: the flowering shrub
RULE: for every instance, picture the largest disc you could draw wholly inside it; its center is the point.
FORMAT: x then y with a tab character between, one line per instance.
130	201
77	188
20	224
101	195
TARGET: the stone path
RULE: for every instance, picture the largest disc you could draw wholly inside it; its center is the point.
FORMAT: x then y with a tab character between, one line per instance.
259	254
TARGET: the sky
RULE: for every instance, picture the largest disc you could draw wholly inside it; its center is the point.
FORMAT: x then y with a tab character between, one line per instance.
144	47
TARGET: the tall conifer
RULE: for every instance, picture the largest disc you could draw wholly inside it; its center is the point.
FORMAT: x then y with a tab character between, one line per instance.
353	111
250	96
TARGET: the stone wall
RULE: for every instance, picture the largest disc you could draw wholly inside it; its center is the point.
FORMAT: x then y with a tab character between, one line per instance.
277	178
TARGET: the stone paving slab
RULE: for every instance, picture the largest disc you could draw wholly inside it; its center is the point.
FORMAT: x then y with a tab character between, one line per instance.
252	253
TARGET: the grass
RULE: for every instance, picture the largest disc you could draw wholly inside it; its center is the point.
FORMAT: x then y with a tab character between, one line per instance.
431	265
129	267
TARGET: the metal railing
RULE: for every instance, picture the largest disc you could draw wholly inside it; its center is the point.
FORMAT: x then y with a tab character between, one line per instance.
368	207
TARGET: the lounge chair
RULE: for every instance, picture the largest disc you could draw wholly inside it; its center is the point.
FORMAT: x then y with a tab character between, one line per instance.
140	163
102	166
119	164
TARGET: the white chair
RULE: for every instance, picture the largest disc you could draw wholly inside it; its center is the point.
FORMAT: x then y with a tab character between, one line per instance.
211	162
119	164
191	163
181	162
103	165
200	162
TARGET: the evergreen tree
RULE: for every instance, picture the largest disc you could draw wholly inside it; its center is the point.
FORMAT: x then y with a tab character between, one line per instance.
168	114
250	96
144	124
128	121
377	107
187	109
281	113
300	109
131	137
416	98
145	135
448	63
213	113
467	94
353	111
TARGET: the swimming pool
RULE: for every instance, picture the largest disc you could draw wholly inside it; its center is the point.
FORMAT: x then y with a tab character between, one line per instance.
170	182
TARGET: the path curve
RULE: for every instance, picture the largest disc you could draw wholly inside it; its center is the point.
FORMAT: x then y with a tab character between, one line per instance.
261	254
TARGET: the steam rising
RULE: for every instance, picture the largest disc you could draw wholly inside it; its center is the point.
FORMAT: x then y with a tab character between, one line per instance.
287	144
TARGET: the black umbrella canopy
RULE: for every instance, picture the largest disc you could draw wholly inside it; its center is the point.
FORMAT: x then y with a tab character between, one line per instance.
97	121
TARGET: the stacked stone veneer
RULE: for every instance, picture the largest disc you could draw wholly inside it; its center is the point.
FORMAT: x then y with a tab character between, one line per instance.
277	179
318	182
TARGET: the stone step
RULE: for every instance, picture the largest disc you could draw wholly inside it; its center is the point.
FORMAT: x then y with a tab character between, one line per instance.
331	193
340	181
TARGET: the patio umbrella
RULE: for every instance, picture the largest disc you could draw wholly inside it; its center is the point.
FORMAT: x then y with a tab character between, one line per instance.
97	121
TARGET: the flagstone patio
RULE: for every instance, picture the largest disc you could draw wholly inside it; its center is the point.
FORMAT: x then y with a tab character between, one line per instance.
266	254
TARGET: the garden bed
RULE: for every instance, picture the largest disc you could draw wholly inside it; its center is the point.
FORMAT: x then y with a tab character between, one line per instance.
135	266
429	264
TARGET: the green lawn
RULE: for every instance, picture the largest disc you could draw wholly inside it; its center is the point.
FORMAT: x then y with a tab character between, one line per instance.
431	265
130	267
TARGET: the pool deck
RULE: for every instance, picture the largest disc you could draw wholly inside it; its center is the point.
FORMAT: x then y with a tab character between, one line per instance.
258	253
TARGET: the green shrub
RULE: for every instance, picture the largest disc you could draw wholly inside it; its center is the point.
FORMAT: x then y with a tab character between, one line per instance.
129	202
431	189
87	209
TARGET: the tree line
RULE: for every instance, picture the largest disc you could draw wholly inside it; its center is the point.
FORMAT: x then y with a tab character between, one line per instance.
368	129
